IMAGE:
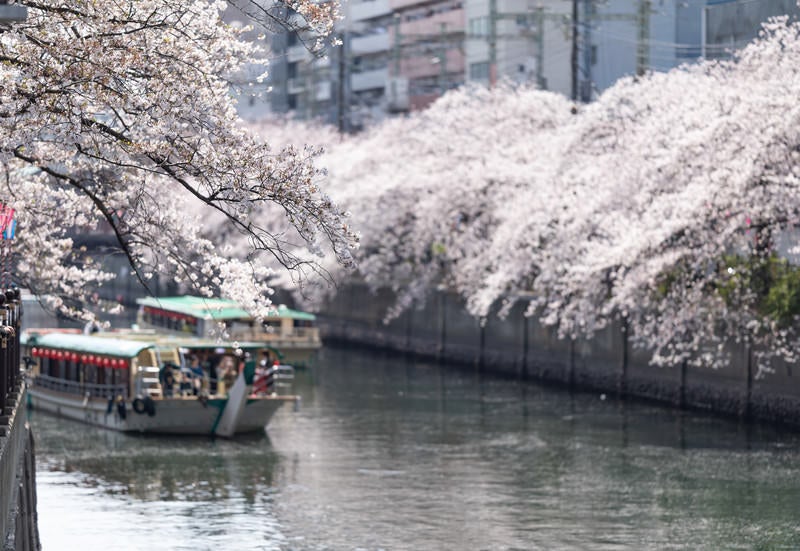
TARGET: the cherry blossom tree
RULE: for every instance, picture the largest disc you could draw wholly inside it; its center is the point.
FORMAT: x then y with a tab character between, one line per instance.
670	203
423	188
119	112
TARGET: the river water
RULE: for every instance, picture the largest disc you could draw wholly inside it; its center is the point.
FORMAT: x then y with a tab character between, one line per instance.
393	454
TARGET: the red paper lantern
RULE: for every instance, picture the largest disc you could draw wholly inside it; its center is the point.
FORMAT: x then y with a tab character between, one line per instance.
84	357
73	357
106	362
60	355
90	359
35	352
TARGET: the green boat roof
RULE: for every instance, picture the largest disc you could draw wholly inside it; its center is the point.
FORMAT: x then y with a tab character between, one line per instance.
216	308
86	343
197	344
166	342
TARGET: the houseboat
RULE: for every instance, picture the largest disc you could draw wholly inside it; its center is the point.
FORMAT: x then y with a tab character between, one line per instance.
139	385
291	331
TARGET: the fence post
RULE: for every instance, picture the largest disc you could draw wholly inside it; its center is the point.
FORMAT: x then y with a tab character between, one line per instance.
13	333
4	366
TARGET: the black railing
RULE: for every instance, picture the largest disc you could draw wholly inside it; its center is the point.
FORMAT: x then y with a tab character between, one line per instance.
10	326
93	390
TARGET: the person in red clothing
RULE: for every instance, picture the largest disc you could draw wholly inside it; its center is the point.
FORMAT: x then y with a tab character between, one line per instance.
261	377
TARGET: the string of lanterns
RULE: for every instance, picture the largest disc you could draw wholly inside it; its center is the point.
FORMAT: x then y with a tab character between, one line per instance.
86	359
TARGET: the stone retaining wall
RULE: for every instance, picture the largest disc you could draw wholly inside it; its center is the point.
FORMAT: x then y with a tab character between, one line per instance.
521	346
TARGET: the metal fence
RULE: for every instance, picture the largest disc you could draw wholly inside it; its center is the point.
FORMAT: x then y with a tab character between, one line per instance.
10	327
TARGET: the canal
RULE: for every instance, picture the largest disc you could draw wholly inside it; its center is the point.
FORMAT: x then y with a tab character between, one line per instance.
387	453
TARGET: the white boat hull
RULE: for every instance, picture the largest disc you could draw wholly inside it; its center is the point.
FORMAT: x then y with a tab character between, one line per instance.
182	415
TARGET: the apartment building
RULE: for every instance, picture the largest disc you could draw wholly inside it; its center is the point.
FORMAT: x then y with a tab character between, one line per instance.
395	56
400	55
427	52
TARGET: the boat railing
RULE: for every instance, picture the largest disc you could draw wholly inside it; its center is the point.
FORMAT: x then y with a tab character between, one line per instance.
93	390
299	334
148	382
270	380
281	373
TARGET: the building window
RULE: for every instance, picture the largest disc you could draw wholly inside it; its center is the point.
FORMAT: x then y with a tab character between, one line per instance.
479	71
291	70
479	26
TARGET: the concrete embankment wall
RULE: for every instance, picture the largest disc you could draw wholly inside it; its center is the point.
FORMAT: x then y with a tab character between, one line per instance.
523	347
18	520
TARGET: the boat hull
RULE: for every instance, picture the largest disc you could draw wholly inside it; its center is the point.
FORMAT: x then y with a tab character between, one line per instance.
183	415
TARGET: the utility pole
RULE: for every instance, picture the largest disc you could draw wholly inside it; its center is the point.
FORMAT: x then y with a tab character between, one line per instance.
588	17
442	60
342	97
398	41
574	53
310	92
492	43
540	48
642	47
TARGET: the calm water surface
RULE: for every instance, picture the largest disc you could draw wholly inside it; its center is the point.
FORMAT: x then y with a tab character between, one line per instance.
388	454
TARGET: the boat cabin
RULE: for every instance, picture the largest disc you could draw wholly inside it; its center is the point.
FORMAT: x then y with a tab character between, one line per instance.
91	366
201	317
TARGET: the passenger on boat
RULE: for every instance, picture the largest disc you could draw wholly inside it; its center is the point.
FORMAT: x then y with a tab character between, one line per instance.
227	374
185	382
261	380
198	376
210	366
167	379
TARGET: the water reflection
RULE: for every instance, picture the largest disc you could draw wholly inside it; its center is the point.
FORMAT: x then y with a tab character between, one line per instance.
393	454
156	468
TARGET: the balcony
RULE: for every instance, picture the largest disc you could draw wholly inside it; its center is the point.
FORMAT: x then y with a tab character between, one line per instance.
370	44
369	80
428	65
453	21
368	10
322	91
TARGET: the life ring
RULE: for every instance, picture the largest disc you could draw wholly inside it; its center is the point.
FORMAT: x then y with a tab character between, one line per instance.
149	406
138	405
